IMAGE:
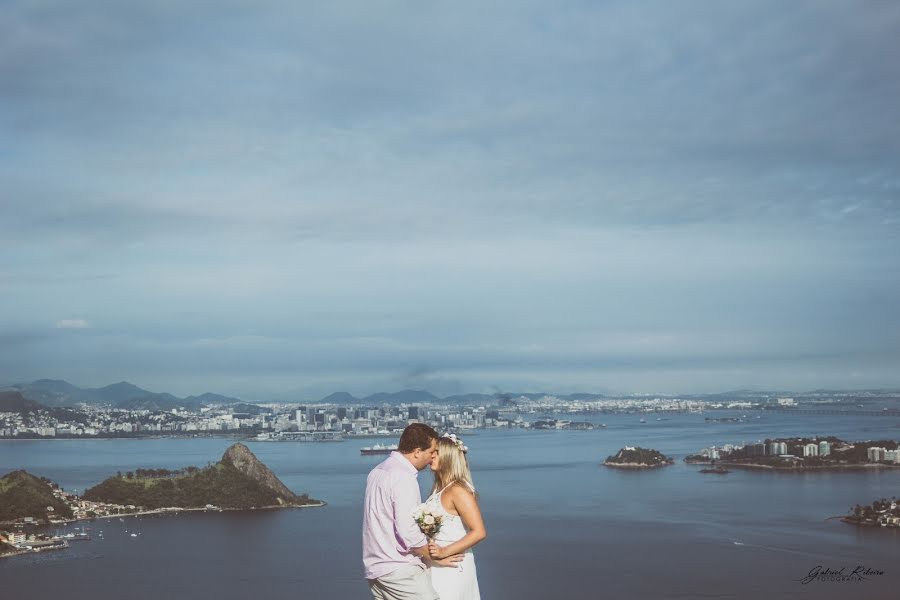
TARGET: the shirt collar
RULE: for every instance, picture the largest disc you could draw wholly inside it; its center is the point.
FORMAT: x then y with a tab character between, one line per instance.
408	465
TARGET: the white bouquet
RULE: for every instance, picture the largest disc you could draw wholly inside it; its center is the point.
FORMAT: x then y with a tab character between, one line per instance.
427	521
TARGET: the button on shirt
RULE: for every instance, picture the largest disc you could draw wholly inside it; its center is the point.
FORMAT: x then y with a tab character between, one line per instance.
389	530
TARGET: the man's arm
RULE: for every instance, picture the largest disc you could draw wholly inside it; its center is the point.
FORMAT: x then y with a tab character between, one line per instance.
405	499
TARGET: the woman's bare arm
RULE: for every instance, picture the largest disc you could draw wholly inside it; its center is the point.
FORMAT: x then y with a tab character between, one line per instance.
463	501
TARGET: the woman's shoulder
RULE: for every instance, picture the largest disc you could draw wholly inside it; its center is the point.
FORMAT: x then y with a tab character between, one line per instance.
460	488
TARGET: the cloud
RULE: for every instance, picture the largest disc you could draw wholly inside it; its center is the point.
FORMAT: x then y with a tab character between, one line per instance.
72	324
444	194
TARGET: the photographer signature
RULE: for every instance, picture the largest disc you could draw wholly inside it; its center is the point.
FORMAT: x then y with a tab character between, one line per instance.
860	573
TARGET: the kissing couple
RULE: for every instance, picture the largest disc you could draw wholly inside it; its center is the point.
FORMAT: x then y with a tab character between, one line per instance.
401	562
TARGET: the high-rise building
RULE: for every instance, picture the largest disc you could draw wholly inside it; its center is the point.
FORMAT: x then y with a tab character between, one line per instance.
810	450
824	448
876	454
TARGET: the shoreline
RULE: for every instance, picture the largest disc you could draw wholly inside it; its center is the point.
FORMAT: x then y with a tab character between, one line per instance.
82	438
21	552
851	467
636	465
853	521
171	510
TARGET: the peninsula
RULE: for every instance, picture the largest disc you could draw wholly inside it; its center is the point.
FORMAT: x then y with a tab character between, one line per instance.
239	481
881	513
631	457
802	454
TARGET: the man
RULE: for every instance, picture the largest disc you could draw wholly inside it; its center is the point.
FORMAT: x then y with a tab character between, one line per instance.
395	551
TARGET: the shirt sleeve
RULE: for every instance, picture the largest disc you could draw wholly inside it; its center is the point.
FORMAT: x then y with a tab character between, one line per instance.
406	498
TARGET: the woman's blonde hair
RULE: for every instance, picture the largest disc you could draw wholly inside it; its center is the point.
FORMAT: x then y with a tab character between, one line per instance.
453	466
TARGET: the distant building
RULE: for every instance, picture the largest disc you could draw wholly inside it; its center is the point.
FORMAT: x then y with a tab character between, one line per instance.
811	450
876	454
824	448
777	448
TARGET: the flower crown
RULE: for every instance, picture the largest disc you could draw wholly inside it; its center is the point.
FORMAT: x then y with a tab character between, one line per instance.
459	443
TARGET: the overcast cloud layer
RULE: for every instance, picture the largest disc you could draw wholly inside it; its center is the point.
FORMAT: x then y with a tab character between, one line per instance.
283	199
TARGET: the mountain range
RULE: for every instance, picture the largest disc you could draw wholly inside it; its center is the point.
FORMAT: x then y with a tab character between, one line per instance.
54	393
57	393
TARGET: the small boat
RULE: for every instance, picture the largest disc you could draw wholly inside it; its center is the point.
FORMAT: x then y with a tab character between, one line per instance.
378	449
643	420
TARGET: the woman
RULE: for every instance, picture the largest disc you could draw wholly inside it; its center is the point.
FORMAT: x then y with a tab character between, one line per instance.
453	497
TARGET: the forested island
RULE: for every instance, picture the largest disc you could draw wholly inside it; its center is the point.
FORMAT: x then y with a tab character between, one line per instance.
638	458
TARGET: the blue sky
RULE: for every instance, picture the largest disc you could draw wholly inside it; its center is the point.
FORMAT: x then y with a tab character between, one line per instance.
281	199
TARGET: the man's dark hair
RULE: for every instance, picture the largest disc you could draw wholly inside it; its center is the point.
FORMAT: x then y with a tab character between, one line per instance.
417	436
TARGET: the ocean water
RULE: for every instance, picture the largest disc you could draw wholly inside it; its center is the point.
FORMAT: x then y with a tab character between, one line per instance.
559	524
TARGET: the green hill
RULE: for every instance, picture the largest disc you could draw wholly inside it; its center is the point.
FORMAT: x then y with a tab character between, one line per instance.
24	495
645	457
239	480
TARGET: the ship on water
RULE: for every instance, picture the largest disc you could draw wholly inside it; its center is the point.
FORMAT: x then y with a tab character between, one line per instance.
378	449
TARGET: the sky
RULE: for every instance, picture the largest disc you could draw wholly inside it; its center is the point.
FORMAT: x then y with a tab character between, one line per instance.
279	200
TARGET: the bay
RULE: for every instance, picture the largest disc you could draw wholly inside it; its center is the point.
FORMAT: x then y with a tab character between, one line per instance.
559	524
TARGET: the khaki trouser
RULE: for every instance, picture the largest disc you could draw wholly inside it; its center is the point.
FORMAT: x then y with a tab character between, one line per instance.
407	583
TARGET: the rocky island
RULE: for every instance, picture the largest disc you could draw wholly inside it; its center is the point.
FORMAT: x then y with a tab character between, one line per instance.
637	458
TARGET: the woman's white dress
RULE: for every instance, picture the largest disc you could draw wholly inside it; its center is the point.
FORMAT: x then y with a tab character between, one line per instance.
459	582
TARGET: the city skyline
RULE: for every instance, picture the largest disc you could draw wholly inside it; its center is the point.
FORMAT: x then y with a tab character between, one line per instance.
597	197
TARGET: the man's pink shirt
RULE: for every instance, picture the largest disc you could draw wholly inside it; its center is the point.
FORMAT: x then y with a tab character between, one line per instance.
389	530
